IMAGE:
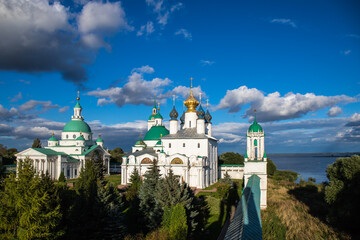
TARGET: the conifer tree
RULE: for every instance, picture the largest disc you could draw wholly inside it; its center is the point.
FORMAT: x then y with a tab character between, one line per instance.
174	222
29	206
62	178
170	192
133	190
148	205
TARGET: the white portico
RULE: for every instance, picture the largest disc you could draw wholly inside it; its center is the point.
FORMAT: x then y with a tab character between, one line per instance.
188	149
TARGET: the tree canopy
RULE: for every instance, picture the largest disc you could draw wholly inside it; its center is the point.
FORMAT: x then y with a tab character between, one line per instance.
116	155
36	143
231	158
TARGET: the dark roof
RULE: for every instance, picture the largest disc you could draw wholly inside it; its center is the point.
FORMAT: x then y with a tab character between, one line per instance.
186	133
142	152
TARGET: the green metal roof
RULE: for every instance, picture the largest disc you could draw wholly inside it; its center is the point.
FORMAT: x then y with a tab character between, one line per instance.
231	165
53	139
77	126
246	223
246	156
99	140
158	115
156	132
77	105
90	149
265	154
255	127
158	143
81	138
48	152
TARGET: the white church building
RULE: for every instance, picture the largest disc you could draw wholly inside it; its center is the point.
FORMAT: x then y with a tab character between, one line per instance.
188	149
68	154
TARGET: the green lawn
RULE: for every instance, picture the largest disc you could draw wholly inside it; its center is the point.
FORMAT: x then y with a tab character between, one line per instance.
115	179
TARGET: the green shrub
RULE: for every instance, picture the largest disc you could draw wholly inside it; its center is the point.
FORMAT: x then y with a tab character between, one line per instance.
174	222
285	175
62	177
223	190
271	167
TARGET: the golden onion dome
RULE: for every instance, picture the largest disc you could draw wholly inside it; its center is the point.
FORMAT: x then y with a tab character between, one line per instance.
191	102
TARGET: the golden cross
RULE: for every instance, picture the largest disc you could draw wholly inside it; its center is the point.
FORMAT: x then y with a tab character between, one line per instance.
158	106
254	110
174	99
200	97
207	103
191	81
78	92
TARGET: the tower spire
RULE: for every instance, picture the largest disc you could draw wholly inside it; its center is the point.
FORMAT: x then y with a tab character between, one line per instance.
200	97
207	104
255	115
174	100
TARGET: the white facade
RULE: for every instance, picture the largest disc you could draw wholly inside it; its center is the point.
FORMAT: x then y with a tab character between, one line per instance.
255	160
68	155
188	149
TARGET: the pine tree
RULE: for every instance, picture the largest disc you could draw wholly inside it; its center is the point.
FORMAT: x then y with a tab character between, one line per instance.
36	143
29	207
170	192
133	190
174	222
62	178
148	206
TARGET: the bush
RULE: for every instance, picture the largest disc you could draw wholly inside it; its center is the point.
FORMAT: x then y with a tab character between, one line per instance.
223	190
285	175
62	178
271	167
342	192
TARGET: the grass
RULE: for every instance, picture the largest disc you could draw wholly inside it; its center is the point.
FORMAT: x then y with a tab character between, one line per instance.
114	179
286	217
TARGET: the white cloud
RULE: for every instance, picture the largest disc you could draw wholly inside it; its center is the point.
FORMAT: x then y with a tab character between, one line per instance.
163	12
143	69
63	109
148	28
98	20
185	91
33	104
284	21
24	81
17	97
274	107
136	90
345	52
206	62
334	111
185	33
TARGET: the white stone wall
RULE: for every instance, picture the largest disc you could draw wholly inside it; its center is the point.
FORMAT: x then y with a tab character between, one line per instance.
235	172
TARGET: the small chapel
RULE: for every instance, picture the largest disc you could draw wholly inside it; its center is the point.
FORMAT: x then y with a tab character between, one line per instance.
68	154
187	148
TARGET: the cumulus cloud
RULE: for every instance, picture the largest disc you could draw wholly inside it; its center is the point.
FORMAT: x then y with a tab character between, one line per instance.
143	69
284	21
274	107
147	29
184	92
334	111
42	36
41	105
6	114
163	12
98	20
136	90
185	33
345	52
24	81
17	97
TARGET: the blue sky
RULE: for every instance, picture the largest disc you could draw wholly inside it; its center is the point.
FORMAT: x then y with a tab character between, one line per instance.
296	62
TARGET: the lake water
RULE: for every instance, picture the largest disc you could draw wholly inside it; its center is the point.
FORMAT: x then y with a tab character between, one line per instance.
305	165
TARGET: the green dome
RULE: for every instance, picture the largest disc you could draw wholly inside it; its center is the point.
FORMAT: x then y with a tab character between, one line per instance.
53	138
158	143
255	127
81	138
77	126
140	142
99	140
155	133
158	115
77	105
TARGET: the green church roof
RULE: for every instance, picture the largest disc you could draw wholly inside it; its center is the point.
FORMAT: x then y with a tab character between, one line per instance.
156	132
99	140
53	139
81	138
77	105
77	126
158	115
255	127
158	143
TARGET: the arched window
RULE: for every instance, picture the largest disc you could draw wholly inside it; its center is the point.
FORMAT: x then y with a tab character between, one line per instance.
177	161
189	124
198	145
67	136
146	161
183	144
169	145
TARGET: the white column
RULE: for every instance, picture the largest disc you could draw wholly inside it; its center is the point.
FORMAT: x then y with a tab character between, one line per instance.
190	120
173	126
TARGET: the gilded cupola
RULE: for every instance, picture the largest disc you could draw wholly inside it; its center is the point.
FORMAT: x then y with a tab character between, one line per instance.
191	102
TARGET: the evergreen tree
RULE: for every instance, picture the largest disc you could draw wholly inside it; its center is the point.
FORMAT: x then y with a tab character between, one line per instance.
133	215
134	187
62	178
29	206
36	143
98	164
150	209
170	192
174	222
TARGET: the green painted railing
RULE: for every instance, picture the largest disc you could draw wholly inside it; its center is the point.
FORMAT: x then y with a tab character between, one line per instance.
246	223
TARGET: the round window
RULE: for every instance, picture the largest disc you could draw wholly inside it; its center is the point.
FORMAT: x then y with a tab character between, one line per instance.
74	136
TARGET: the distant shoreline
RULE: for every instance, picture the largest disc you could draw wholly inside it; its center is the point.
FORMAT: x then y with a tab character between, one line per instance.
344	154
